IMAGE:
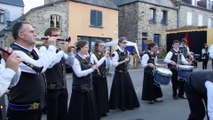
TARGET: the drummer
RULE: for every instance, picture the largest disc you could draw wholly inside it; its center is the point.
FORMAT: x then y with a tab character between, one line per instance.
174	58
151	90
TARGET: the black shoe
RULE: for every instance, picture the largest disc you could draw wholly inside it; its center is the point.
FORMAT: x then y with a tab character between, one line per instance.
182	97
151	102
175	97
123	109
103	115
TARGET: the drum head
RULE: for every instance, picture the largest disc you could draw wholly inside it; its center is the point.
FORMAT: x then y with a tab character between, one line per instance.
164	71
185	67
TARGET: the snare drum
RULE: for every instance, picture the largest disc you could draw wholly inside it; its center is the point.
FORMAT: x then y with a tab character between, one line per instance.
162	76
184	70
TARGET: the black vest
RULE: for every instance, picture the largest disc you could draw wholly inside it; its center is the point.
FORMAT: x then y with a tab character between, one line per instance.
151	60
174	58
30	88
102	69
85	64
122	56
198	78
56	76
183	50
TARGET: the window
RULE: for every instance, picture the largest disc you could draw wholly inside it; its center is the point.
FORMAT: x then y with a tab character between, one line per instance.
55	21
200	20
144	37
95	18
189	18
152	15
157	39
194	2
210	22
2	16
164	15
209	4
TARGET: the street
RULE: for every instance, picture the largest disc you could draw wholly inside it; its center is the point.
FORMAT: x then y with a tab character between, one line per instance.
170	109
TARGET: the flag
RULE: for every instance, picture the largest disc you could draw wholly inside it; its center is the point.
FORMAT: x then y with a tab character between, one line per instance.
187	38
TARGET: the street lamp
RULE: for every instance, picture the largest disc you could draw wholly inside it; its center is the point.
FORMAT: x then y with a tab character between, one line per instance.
177	4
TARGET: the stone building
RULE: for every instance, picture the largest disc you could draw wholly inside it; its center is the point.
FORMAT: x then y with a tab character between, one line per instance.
194	13
146	19
149	19
79	19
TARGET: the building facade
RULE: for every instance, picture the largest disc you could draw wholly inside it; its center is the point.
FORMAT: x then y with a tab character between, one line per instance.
146	19
78	19
9	11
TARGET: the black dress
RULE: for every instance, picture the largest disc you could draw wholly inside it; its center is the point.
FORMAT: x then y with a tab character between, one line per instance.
82	104
122	95
101	89
151	90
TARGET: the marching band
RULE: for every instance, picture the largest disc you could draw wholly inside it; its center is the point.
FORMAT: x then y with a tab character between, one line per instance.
40	79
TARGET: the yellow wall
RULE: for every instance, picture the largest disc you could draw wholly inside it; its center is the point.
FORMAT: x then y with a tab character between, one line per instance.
210	36
79	21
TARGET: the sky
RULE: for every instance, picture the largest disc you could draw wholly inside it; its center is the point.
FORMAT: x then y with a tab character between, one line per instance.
29	4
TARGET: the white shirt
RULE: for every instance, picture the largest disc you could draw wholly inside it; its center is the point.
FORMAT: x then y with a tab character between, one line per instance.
69	58
47	58
93	59
77	68
115	58
169	56
209	87
8	77
211	51
145	58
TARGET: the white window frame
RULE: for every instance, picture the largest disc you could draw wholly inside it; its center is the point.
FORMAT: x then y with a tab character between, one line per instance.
200	20
189	18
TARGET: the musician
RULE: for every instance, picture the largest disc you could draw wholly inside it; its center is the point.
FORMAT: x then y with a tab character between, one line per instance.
122	95
198	89
26	99
184	48
151	90
102	59
173	58
57	94
9	75
205	56
82	103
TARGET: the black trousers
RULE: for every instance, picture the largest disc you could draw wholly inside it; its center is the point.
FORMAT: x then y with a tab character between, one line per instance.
23	115
177	85
205	63
197	104
57	104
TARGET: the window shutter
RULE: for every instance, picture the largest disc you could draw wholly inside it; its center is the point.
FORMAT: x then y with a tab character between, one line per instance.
92	17
99	18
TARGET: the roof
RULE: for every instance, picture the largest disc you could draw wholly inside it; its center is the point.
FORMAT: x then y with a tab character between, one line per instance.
101	3
187	28
13	2
166	3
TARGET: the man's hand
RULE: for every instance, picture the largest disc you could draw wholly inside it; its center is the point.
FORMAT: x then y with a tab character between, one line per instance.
13	61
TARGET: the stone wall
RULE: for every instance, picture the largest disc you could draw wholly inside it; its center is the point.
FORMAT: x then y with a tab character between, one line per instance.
134	20
195	13
40	20
50	1
128	23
